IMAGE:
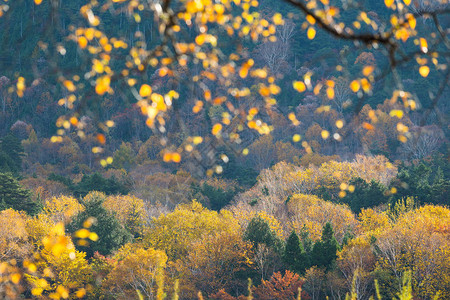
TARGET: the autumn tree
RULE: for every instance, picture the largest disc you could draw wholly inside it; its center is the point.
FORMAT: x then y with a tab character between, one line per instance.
14	236
137	272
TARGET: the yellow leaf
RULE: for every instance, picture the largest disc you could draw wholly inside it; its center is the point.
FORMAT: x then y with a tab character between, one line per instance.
102	85
396	113
216	128
200	39
197	140
330	93
93	236
311	33
243	72
325	134
365	85
388	3
367	70
299	86
37	2
339	124
296	138
310	19
424	71
354	86
407	2
145	90
412	21
423	45
278	19
82	233
176	157
82	42
69	85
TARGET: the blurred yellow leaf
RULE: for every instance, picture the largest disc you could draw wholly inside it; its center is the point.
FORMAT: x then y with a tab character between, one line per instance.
82	42
424	71
69	85
299	86
145	90
354	86
367	70
216	128
330	93
311	33
388	3
396	113
278	19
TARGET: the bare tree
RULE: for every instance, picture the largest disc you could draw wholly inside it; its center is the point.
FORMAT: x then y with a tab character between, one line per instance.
423	142
275	54
341	94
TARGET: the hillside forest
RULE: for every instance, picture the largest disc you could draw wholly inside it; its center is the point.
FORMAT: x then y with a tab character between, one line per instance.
226	149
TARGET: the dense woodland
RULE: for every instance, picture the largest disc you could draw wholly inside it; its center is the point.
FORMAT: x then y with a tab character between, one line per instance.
315	183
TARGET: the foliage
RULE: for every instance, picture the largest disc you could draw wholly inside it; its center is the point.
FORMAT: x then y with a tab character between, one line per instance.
259	232
13	236
129	211
111	234
365	195
62	208
312	213
324	250
176	231
295	257
217	261
423	180
12	195
136	269
219	193
96	182
11	153
280	287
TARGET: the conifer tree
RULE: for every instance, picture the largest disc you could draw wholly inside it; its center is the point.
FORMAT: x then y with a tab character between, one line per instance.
324	250
12	195
111	234
294	255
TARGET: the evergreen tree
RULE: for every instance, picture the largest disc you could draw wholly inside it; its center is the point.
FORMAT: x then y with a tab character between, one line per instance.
111	234
365	195
12	195
96	182
294	255
258	232
324	250
218	197
11	152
